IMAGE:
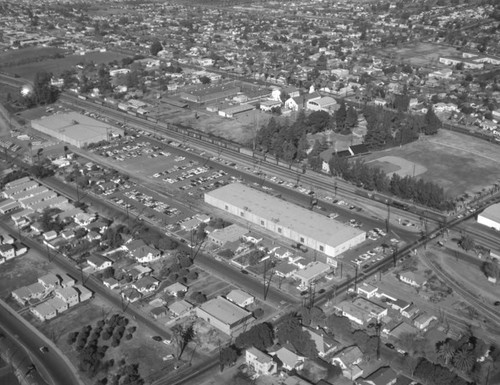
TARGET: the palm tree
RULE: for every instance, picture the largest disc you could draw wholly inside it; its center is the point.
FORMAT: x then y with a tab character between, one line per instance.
464	360
30	146
446	352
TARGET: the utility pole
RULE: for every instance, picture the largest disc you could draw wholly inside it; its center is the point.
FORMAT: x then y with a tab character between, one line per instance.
388	216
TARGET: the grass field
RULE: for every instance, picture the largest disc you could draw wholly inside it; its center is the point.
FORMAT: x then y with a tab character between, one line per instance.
419	54
457	162
57	66
30	53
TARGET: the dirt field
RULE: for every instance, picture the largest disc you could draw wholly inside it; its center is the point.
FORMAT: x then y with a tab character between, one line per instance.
57	66
448	159
393	164
420	54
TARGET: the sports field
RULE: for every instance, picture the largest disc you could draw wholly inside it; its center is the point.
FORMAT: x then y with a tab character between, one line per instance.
457	162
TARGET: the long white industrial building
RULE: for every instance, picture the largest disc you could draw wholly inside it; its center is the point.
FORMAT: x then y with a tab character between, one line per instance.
286	219
490	217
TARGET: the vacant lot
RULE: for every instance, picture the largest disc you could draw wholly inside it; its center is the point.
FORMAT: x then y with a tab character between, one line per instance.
457	162
24	55
57	66
419	54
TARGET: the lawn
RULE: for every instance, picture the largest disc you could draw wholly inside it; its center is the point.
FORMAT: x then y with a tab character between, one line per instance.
420	54
457	162
57	66
13	57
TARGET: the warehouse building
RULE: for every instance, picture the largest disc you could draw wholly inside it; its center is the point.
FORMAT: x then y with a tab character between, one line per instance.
210	93
76	129
490	217
286	219
225	316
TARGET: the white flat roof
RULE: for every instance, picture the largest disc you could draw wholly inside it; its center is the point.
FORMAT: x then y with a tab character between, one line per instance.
288	215
492	212
224	310
312	270
75	125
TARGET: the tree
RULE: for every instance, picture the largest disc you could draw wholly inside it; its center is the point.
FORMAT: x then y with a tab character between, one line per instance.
228	356
491	269
467	242
43	91
464	360
432	122
205	80
260	336
340	117
445	352
155	47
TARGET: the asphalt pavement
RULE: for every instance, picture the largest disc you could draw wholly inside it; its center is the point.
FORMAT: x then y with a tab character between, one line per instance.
54	368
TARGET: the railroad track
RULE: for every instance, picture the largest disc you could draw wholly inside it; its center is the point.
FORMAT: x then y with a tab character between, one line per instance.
486	311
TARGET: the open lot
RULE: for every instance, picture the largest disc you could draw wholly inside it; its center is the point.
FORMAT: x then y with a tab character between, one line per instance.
57	66
418	54
448	158
10	58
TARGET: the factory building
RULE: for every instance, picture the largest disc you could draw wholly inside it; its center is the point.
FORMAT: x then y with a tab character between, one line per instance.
76	129
296	223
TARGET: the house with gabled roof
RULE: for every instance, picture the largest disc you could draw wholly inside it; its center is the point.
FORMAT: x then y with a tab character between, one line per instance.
175	288
49	281
324	343
145	253
240	298
382	376
412	279
68	294
348	360
289	359
98	262
260	362
146	284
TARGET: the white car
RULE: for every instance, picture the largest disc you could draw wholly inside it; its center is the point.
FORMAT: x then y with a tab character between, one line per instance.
168	357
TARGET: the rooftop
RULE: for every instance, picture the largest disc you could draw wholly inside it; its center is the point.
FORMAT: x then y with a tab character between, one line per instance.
224	310
75	125
312	270
290	216
492	212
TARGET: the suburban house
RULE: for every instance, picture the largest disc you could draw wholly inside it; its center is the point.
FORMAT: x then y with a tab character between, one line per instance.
44	311
159	312
325	103
412	279
260	362
175	288
382	376
348	360
145	254
240	298
84	219
146	284
68	294
131	295
180	307
98	262
324	344
49	281
7	251
111	283
423	321
289	359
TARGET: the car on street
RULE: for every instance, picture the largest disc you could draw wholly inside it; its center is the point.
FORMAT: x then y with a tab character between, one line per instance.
389	345
168	357
157	338
244	272
44	349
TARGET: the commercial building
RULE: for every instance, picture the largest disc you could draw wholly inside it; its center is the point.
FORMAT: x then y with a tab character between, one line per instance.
490	217
230	233
76	129
225	316
286	219
311	273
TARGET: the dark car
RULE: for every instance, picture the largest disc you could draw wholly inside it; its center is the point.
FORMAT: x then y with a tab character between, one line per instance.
389	345
244	272
157	338
304	292
321	291
497	303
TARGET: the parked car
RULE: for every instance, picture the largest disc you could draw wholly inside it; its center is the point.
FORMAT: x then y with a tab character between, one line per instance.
389	345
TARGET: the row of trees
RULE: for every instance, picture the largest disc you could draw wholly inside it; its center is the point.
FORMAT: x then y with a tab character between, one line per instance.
373	178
